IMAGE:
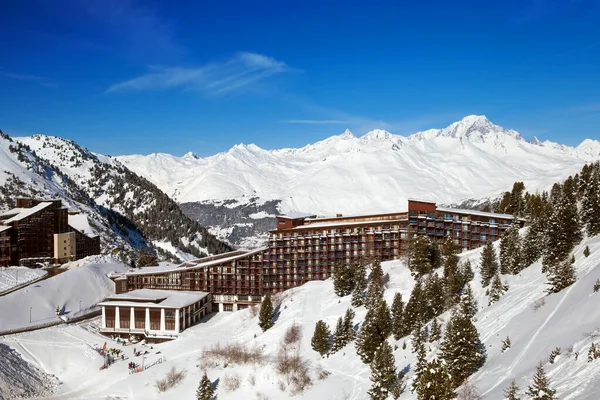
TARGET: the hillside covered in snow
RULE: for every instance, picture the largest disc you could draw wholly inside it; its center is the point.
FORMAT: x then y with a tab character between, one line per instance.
126	210
569	320
377	172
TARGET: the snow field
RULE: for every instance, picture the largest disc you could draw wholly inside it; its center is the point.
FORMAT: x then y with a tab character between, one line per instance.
14	276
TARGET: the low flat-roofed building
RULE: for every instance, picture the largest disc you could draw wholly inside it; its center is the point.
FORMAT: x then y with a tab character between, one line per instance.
155	314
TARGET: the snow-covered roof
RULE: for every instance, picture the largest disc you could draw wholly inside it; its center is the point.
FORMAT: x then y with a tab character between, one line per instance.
475	212
154	298
12	211
218	261
4	228
27	212
152	270
346	223
296	215
81	223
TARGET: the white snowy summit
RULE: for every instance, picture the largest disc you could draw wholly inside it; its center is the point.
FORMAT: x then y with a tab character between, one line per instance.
470	159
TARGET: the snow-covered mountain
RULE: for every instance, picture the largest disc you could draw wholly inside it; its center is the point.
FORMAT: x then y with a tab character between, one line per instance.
471	158
126	210
377	172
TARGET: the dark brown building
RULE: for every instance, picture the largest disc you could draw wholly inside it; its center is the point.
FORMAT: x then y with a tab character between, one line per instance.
305	248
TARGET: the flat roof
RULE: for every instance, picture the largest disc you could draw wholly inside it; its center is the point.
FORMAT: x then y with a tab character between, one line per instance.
28	212
225	259
475	212
154	298
356	216
341	223
81	223
296	215
152	270
4	228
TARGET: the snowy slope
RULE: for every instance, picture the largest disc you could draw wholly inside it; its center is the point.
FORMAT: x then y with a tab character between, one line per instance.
568	319
84	287
471	158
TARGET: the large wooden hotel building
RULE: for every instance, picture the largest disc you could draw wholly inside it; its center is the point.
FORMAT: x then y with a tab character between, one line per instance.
305	248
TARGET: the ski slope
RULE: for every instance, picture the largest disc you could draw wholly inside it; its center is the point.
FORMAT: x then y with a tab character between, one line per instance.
568	319
11	277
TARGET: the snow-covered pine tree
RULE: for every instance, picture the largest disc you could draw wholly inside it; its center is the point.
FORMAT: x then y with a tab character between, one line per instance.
265	315
415	308
540	387
489	263
468	304
434	294
538	211
383	373
496	289
420	261
359	276
342	279
435	382
453	279
205	390
512	392
561	276
384	320
462	349
436	331
369	338
375	288
466	272
510	251
349	325
589	183
505	344
397	316
339	336
320	339
418	349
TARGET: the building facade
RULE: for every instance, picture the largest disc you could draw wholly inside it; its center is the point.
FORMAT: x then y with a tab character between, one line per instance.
27	234
305	248
155	314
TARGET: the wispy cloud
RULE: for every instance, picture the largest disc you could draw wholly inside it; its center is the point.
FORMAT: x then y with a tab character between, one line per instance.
239	72
26	77
585	108
316	121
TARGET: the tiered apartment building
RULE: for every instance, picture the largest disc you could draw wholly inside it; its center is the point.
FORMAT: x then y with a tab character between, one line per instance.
305	248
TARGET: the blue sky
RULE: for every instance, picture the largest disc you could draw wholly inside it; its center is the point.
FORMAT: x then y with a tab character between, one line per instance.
126	76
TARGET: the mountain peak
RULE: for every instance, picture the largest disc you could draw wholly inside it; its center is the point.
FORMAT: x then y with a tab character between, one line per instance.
377	134
190	156
347	134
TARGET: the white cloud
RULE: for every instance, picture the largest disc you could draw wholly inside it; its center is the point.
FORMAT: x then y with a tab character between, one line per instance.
26	77
240	71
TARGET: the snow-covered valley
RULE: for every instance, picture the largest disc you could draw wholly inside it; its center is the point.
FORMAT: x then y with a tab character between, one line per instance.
569	319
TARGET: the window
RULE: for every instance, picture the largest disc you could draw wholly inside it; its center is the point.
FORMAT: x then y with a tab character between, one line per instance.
227	307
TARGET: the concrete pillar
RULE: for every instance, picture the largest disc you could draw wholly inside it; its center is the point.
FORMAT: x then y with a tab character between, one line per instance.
220	307
103	317
235	307
177	327
147	324
162	320
117	318
190	312
132	318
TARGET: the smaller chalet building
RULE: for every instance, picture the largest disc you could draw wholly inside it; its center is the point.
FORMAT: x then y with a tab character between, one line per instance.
156	314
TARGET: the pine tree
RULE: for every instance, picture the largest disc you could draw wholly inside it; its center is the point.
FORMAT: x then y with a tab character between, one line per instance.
510	251
418	349
561	277
505	344
359	276
436	331
489	263
342	279
369	337
397	316
415	308
349	325
462	349
320	339
468	304
466	272
375	289
435	255
590	198
383	373
512	392
496	289
540	387
435	383
339	336
205	391
420	260
434	292
265	316
384	320
453	278
538	211
586	251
